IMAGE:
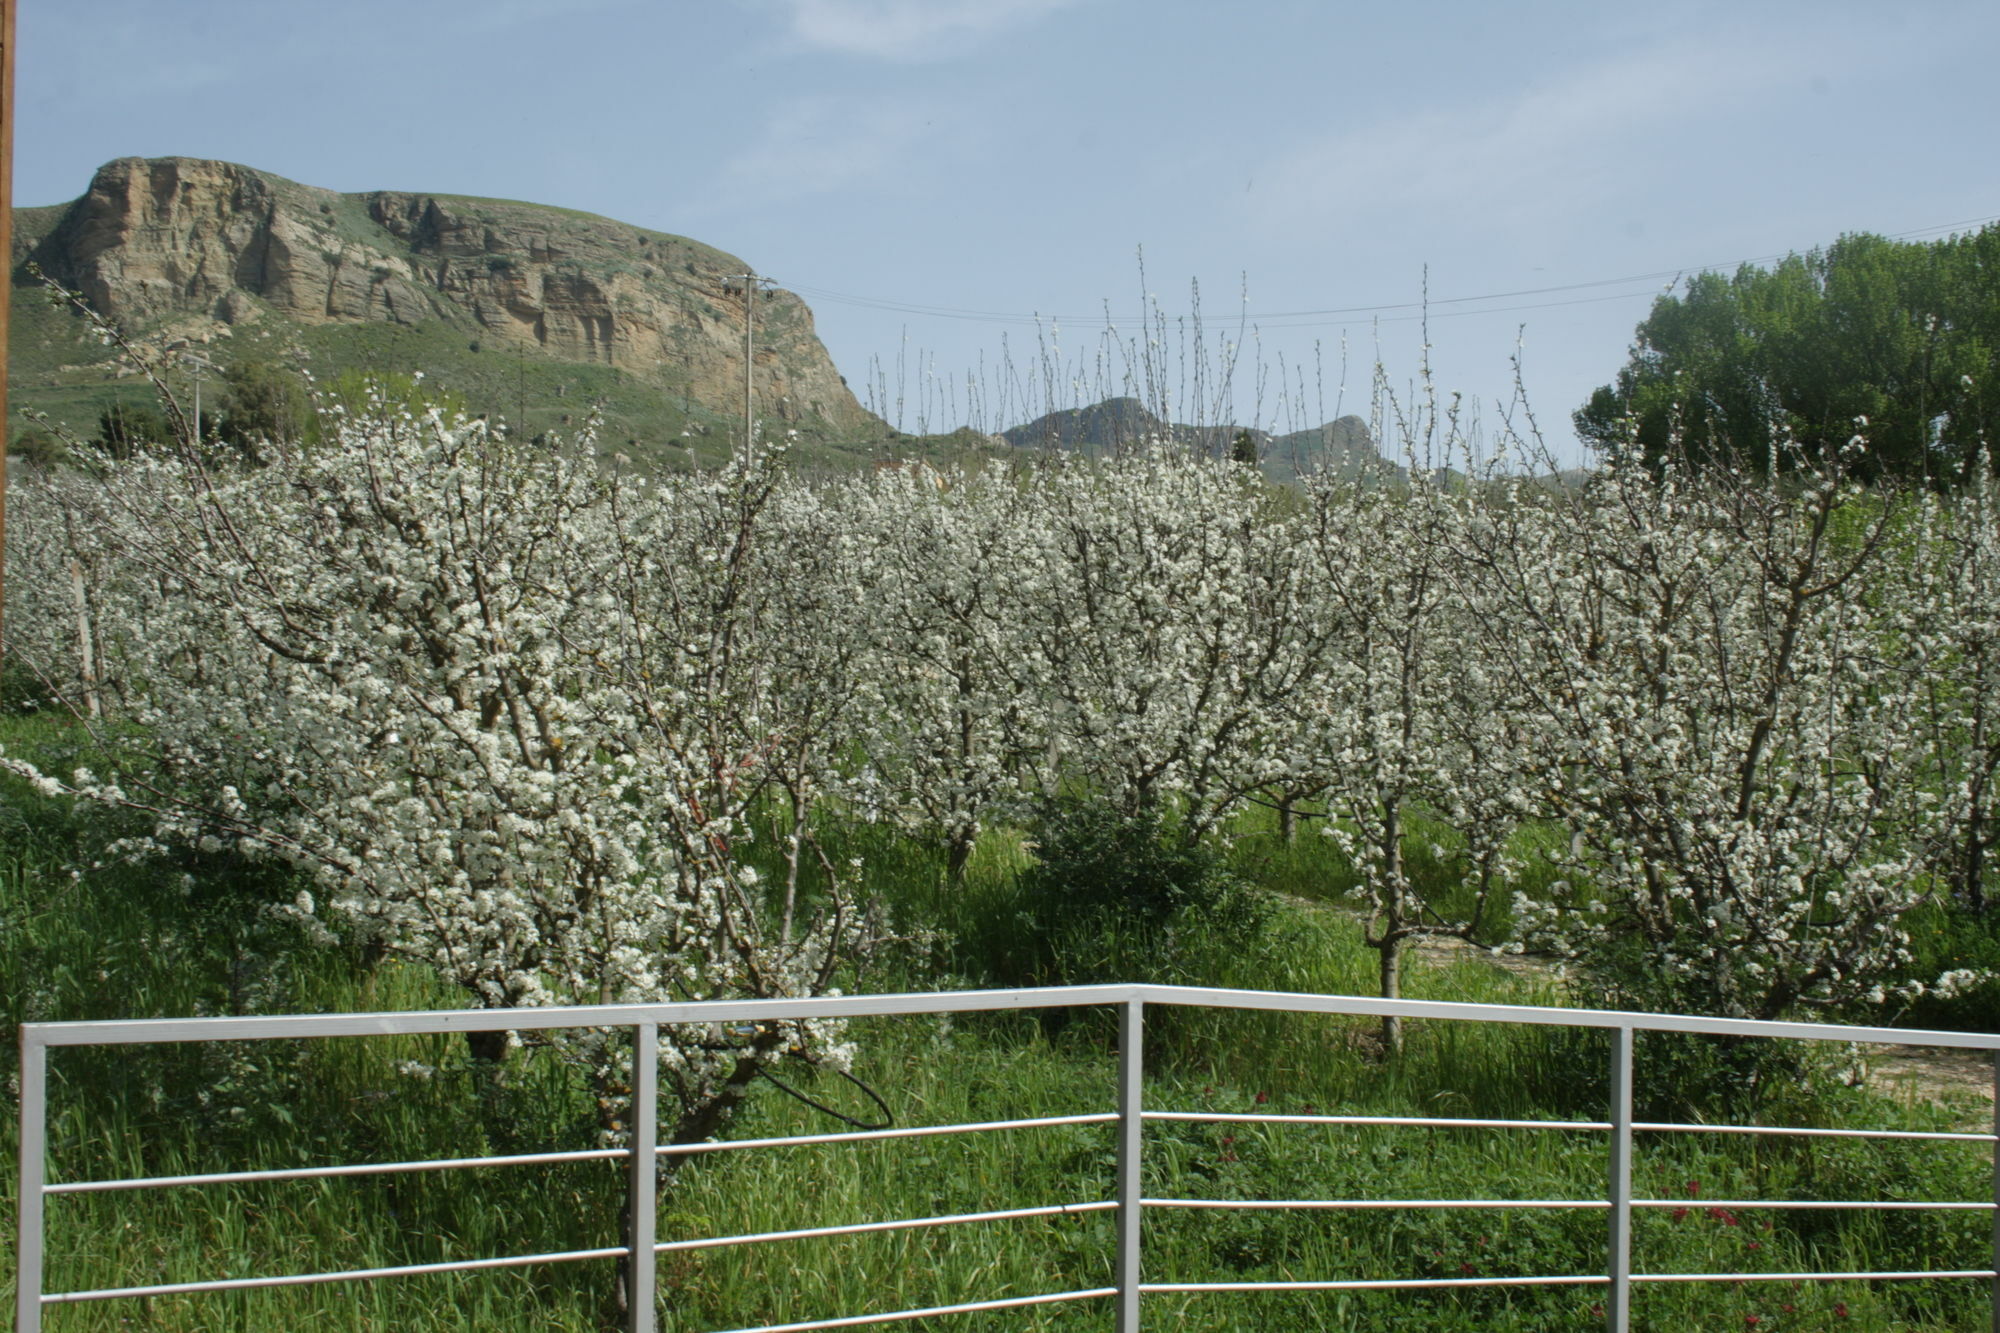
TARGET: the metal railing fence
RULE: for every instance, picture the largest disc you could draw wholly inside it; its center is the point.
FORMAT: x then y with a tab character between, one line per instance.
1128	1117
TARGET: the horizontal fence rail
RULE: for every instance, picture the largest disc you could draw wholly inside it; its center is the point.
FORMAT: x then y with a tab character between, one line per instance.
1128	1118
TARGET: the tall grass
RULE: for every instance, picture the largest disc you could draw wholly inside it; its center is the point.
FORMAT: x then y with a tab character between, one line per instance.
79	939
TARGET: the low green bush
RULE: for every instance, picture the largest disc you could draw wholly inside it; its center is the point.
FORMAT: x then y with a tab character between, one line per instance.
1113	897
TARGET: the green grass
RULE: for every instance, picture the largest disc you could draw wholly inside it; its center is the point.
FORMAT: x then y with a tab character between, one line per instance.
58	370
119	940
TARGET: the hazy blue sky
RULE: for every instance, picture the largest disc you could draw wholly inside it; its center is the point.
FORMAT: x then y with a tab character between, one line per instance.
1010	157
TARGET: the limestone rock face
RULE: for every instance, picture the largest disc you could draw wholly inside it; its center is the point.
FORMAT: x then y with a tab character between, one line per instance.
165	239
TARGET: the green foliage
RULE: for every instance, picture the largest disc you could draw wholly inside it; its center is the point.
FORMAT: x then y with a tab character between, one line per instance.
262	401
37	447
1898	341
1946	934
1435	859
124	430
1117	897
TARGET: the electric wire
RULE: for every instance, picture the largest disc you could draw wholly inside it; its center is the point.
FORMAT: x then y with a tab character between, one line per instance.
1331	315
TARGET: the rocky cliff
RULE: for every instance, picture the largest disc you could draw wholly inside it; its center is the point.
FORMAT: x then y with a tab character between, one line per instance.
211	249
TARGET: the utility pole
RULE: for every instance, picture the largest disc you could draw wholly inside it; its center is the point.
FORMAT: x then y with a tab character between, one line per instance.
6	253
749	281
182	351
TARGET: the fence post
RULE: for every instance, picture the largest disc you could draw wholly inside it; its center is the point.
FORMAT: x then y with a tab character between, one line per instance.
644	1129
1994	1288
1131	1132
28	1209
1618	1306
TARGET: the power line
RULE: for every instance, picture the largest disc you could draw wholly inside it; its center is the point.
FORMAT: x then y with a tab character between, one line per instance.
1330	315
1461	314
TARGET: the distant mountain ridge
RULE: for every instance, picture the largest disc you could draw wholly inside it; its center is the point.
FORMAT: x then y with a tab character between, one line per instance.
540	315
1342	447
224	254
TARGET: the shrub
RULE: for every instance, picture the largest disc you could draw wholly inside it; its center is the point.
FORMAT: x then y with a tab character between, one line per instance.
1118	897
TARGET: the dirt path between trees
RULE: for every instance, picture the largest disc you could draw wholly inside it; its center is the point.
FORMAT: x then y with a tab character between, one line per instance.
1932	1073
1940	1075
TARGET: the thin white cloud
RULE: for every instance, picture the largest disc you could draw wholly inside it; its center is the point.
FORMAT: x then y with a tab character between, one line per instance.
821	145
909	29
1577	140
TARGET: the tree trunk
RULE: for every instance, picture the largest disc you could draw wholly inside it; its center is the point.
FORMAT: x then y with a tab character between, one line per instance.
1392	989
1396	911
957	854
487	1047
86	657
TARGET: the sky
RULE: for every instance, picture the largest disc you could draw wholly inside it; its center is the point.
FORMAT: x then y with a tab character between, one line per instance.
1058	187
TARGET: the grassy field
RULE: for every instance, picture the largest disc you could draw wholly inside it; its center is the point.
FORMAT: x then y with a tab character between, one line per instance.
85	937
57	369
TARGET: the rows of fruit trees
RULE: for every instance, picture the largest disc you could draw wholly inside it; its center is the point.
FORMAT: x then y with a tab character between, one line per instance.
523	717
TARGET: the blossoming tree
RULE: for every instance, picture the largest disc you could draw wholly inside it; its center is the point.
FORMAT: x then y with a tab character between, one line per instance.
514	712
1735	748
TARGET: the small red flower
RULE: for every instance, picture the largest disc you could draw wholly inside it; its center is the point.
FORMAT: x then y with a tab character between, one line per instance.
1694	1189
1680	1214
1840	1309
1263	1097
1751	1320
